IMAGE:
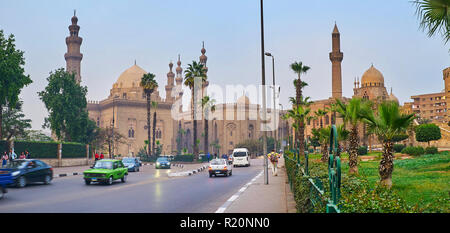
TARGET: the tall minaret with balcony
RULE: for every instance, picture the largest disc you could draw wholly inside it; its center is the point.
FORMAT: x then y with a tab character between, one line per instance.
179	80
170	84
73	56
336	57
203	60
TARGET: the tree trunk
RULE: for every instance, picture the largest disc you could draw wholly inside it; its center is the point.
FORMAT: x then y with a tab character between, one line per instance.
154	130
149	152
206	136
194	121
324	152
1	121
301	139
353	151
387	164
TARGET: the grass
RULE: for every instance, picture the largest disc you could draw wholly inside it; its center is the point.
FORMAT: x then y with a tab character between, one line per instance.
420	181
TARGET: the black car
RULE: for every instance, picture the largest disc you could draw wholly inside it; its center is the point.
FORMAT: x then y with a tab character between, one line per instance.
162	162
26	171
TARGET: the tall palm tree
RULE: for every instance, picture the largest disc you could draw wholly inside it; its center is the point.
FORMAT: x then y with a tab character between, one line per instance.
434	16
299	69
343	135
350	113
148	82
194	70
388	123
320	114
324	139
208	105
155	106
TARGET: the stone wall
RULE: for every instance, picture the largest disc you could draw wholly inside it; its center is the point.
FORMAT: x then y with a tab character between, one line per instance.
66	162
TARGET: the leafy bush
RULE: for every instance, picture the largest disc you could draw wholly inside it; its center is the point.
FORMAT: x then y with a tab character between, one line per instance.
414	151
427	133
3	146
184	158
431	150
362	150
38	150
399	147
73	150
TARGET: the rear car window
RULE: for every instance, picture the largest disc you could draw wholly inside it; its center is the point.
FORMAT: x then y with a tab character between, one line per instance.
240	154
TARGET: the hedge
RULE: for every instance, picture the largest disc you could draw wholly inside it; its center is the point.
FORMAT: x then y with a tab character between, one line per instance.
47	150
73	150
414	151
431	150
362	150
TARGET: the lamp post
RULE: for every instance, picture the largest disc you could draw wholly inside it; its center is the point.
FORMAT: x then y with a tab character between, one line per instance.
282	129
266	162
274	104
112	129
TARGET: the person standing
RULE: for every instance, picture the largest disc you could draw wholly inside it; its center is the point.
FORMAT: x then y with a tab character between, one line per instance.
273	156
96	156
209	156
12	155
27	154
102	156
22	156
4	159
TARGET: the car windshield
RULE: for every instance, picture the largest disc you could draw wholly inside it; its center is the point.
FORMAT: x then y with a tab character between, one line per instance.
218	162
240	154
16	164
162	160
128	160
104	165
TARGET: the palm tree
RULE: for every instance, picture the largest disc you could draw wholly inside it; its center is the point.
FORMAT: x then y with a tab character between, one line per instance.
299	69
207	106
387	124
300	115
434	17
320	114
155	106
324	139
350	113
194	70
148	82
343	135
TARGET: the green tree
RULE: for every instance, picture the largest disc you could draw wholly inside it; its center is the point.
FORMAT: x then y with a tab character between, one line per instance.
66	103
155	106
427	133
149	84
194	71
299	69
343	135
300	115
12	77
434	17
14	125
35	135
324	139
351	114
388	123
320	113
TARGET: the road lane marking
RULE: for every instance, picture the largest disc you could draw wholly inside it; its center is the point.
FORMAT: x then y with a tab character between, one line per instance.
236	195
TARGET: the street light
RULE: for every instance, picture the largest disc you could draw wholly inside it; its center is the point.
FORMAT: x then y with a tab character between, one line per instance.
274	105
282	129
263	76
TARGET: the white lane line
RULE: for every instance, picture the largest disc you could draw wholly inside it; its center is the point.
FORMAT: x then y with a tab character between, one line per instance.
236	195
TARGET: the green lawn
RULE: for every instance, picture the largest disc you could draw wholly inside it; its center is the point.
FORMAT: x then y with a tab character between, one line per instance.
420	180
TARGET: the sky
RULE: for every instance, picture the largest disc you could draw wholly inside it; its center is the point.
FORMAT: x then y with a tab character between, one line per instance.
115	33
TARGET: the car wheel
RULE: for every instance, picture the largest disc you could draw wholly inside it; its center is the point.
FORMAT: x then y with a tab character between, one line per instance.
226	174
2	194
110	180
21	182
47	179
124	178
87	182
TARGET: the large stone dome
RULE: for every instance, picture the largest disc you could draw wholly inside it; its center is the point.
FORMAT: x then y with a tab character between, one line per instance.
130	77
372	77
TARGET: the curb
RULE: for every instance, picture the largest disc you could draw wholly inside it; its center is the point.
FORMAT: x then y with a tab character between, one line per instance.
188	173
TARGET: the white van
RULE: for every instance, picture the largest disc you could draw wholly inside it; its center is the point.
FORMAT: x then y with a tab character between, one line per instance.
241	157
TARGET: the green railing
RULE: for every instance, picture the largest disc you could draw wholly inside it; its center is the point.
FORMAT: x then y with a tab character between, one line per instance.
317	192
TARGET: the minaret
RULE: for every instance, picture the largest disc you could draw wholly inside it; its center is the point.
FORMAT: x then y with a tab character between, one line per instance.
170	83
336	57
203	60
73	56
179	80
446	73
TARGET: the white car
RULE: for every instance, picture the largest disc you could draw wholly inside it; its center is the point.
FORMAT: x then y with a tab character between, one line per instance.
219	167
241	157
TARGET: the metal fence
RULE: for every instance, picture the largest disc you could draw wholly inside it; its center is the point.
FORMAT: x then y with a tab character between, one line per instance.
317	192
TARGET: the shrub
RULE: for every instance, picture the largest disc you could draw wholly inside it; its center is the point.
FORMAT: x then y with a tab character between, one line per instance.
362	150
431	150
38	150
184	158
399	147
302	189
73	150
414	151
427	133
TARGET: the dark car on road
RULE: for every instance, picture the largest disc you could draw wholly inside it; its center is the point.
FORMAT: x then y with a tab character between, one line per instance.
132	164
162	162
5	179
27	171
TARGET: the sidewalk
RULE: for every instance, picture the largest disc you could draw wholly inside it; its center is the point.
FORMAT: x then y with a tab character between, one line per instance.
276	197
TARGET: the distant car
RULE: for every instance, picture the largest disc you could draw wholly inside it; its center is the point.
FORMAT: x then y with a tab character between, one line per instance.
162	162
5	180
219	167
241	157
132	164
106	171
169	157
27	171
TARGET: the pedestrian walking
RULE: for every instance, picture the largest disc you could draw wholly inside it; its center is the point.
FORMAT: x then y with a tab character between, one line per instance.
215	155
4	159
273	156
22	156
102	156
12	155
27	154
209	156
97	157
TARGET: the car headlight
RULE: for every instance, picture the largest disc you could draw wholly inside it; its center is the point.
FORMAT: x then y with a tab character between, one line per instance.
157	164
168	163
15	173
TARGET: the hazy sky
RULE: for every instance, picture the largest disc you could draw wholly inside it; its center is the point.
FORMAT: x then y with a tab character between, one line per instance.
115	33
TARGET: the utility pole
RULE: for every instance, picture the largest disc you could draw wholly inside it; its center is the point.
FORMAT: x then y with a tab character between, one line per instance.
266	162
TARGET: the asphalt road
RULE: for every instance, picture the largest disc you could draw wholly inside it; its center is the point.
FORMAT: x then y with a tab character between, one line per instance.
147	191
